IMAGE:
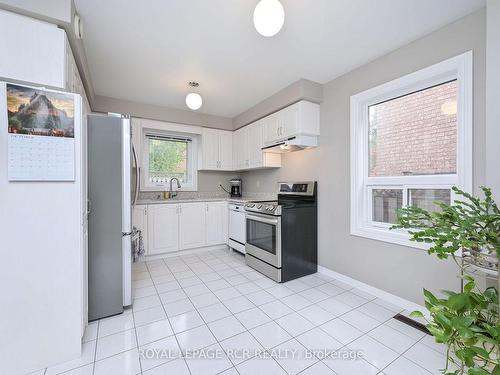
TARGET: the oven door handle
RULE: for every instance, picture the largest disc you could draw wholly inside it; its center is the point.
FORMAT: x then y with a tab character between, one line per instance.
263	219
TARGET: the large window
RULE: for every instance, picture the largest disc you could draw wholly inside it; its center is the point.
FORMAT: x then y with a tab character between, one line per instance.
410	143
168	156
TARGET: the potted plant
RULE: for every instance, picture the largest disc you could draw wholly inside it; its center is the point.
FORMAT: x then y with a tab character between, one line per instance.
467	321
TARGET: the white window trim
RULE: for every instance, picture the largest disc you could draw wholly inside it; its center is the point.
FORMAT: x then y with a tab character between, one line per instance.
192	161
460	68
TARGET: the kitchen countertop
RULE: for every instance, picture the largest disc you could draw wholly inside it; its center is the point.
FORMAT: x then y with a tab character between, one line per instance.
187	200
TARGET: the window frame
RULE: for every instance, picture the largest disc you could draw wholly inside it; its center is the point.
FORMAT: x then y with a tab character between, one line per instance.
192	148
456	68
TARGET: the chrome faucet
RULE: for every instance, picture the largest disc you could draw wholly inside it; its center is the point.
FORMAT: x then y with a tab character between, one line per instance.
178	186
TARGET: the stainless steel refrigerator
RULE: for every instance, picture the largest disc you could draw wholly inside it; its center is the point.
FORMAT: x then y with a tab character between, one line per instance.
111	195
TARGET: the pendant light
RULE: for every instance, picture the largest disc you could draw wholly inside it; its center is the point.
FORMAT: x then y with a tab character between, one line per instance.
268	17
193	99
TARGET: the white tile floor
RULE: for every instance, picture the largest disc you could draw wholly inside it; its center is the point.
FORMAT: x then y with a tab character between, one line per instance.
212	300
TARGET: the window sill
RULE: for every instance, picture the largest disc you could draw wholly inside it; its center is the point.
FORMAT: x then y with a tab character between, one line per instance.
386	235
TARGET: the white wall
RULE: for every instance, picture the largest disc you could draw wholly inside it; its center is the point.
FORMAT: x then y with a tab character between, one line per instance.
493	97
400	270
40	267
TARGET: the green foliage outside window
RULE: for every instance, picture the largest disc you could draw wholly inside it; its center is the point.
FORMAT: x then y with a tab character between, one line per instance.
167	159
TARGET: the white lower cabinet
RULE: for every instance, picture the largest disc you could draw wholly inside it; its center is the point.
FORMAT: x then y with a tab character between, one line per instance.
192	223
163	228
216	223
172	227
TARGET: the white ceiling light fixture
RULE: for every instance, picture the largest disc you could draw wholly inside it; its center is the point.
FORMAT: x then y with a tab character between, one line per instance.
193	99
268	17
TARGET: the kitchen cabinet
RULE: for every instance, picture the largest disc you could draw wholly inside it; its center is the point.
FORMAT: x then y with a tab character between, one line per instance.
239	148
163	228
216	150
73	81
192	222
172	227
216	223
248	152
140	221
32	51
301	118
271	126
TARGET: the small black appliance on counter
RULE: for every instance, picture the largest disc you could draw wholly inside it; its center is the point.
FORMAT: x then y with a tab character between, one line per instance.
235	187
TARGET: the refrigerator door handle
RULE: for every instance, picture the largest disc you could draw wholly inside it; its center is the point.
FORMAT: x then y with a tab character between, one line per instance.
137	176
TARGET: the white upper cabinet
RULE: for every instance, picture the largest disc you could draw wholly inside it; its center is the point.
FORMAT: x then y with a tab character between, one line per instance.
243	148
32	51
248	152
216	150
73	81
38	54
210	149
271	127
254	145
225	150
192	225
301	118
239	149
216	222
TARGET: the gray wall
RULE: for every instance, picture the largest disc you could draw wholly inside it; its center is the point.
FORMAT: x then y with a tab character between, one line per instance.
208	181
397	269
154	112
493	97
302	89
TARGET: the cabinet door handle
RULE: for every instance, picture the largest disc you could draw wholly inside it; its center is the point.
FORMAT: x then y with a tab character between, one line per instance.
207	207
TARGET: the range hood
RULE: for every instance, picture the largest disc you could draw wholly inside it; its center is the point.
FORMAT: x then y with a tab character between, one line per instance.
297	143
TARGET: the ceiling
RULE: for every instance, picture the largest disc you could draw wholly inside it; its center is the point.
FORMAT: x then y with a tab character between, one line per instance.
146	51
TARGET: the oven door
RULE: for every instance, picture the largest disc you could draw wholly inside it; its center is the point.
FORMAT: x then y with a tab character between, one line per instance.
264	238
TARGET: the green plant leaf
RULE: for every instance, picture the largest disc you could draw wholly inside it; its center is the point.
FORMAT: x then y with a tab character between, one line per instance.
430	297
477	371
416	314
462	321
458	302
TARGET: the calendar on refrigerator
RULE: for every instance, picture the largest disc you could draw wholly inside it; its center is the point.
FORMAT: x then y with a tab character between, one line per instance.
41	139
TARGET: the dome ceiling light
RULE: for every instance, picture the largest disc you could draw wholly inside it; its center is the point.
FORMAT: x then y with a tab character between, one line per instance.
193	99
268	17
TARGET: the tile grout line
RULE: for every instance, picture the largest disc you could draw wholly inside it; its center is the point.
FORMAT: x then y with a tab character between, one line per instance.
170	325
328	281
272	320
96	343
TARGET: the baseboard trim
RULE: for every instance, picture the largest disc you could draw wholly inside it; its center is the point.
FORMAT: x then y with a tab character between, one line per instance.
197	250
379	293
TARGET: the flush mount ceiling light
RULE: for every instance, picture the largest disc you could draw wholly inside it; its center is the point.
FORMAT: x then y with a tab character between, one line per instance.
193	99
268	17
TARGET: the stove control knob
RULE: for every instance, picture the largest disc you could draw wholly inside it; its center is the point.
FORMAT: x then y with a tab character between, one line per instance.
270	208
251	205
259	206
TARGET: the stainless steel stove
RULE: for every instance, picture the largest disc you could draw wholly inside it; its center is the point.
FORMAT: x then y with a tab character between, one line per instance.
281	236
